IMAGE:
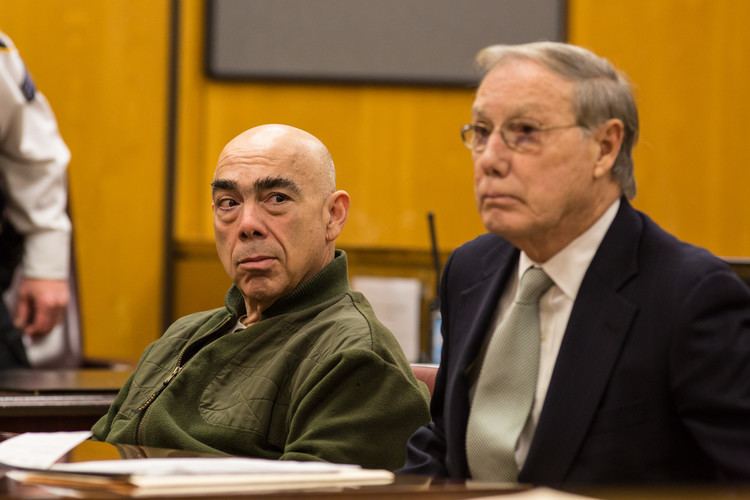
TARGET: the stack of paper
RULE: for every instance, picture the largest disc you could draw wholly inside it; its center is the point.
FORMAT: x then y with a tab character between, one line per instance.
170	476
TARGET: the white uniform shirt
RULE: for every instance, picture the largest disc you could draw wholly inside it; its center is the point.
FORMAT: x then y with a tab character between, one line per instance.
566	268
33	162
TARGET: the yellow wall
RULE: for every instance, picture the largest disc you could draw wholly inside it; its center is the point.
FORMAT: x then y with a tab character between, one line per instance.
689	62
102	64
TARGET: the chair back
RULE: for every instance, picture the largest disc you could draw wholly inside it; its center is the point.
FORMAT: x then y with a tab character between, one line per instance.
426	373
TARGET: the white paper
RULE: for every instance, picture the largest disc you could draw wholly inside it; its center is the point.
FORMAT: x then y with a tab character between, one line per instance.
39	450
212	484
396	302
201	466
164	476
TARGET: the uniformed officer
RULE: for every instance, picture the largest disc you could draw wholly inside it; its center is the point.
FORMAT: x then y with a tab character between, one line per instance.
36	229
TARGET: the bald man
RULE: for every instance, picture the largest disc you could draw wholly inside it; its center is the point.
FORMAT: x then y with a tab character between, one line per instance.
295	365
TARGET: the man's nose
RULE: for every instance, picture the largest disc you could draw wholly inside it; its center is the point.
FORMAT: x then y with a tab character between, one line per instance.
494	159
252	224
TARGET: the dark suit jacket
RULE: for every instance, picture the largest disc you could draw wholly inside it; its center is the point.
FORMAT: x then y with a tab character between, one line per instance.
652	381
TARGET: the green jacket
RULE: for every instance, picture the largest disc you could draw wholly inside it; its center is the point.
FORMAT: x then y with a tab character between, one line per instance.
318	378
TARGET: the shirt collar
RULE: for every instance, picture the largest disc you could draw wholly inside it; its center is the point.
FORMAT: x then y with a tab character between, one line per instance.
568	266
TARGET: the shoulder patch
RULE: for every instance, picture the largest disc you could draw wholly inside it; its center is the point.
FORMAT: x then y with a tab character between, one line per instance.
27	87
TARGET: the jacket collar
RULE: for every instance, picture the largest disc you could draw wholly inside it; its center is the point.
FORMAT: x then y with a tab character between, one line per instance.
330	283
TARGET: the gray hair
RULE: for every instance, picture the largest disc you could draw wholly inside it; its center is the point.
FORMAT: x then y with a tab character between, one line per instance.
601	92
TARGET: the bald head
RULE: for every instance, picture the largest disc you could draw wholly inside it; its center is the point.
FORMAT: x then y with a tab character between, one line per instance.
282	143
276	212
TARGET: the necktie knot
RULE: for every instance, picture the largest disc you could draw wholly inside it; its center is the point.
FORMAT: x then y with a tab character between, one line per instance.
534	283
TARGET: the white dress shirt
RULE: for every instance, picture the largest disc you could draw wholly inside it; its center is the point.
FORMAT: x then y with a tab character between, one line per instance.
567	269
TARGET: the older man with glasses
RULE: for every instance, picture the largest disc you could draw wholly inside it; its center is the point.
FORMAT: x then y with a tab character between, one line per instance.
582	343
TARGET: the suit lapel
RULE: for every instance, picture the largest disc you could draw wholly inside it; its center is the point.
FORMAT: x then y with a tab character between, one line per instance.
478	302
598	325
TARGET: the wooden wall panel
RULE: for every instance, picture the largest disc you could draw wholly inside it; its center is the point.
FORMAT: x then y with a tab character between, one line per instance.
103	66
689	64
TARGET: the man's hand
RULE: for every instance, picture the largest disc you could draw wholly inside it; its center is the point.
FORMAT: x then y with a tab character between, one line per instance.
41	305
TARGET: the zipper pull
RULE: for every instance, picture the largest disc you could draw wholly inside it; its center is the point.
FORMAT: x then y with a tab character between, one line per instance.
177	369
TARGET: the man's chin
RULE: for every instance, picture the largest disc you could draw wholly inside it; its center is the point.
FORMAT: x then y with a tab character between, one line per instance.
260	290
500	224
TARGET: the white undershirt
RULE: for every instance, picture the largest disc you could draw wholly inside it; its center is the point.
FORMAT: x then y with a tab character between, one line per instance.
566	268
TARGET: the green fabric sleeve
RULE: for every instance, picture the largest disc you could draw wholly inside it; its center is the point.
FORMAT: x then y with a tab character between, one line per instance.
355	407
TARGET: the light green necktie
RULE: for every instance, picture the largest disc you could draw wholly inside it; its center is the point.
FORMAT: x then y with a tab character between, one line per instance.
506	386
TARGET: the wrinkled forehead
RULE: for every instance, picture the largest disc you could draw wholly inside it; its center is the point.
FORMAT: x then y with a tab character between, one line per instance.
520	86
254	169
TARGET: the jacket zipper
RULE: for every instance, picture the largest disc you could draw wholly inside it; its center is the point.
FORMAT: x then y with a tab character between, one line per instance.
145	406
164	383
181	360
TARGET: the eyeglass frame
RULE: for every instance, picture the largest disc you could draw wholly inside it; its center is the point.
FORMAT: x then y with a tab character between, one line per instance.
503	129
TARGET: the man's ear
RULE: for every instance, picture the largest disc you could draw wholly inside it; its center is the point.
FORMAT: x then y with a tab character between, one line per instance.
609	136
337	209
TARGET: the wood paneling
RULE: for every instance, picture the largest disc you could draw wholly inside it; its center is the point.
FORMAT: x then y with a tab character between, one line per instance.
688	61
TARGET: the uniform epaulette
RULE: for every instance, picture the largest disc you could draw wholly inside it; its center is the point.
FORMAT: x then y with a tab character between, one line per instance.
28	89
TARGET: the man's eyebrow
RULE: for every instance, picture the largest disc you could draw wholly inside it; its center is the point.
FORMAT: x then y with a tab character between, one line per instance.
223	185
268	183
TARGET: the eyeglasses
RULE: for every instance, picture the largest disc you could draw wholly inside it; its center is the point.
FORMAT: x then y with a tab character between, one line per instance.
519	135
